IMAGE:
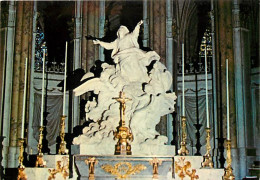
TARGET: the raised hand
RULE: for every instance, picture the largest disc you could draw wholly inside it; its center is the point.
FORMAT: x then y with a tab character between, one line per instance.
96	41
140	23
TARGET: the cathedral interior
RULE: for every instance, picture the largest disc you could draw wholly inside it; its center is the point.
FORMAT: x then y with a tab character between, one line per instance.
182	32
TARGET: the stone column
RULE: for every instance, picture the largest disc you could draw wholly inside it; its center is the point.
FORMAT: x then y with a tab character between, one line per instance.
102	19
224	50
26	33
158	28
31	140
145	24
169	61
84	34
157	40
9	82
77	56
15	90
23	25
96	28
91	31
214	132
242	70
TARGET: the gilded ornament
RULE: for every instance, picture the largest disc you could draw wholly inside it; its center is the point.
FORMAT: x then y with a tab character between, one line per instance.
155	163
123	169
184	166
183	151
40	161
62	167
123	134
207	162
63	149
91	161
228	175
21	174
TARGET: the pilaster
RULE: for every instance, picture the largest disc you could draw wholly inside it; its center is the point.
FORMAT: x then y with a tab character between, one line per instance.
77	56
8	80
242	69
169	61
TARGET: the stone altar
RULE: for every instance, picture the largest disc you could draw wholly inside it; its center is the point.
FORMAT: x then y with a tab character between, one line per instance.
124	167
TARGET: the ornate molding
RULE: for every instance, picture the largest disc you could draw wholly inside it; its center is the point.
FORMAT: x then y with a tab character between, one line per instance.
183	167
123	169
91	161
62	167
155	163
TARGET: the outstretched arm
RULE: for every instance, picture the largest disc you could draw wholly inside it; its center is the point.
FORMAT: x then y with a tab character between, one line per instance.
137	28
106	45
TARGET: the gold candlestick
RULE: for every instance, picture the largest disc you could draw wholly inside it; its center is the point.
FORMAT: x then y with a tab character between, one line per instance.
228	175
21	158
183	151
39	160
207	159
21	167
63	149
123	134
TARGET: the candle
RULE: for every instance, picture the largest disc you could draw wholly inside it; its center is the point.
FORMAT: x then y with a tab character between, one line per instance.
65	74
24	97
206	81
43	78
228	130
183	93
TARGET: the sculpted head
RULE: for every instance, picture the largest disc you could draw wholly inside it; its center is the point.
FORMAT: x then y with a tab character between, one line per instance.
122	31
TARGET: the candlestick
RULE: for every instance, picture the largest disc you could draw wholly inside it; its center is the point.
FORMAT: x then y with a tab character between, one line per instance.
183	95
207	158
43	78
24	97
183	151
228	174
206	81
228	130
123	133
21	167
62	149
65	81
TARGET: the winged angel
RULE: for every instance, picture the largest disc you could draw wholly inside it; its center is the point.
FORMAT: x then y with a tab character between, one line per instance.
144	79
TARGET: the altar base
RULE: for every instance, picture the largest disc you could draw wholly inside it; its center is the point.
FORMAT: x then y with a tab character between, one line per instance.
124	167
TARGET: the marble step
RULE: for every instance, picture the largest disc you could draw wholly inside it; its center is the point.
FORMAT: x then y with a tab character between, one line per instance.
192	164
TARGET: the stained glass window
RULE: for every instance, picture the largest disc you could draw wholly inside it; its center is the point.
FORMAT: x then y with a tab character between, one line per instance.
40	46
206	42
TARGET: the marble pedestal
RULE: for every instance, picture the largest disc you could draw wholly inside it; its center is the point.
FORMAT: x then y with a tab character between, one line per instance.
118	166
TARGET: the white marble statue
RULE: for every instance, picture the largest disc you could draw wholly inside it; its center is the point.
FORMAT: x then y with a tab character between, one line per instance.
148	91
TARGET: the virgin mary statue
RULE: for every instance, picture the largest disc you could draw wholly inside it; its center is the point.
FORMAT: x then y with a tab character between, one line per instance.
130	60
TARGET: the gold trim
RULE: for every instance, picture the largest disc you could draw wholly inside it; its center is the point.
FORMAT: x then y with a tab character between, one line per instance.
123	169
40	161
21	174
62	149
155	163
91	161
183	151
123	134
228	175
207	159
62	167
183	167
21	168
21	158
